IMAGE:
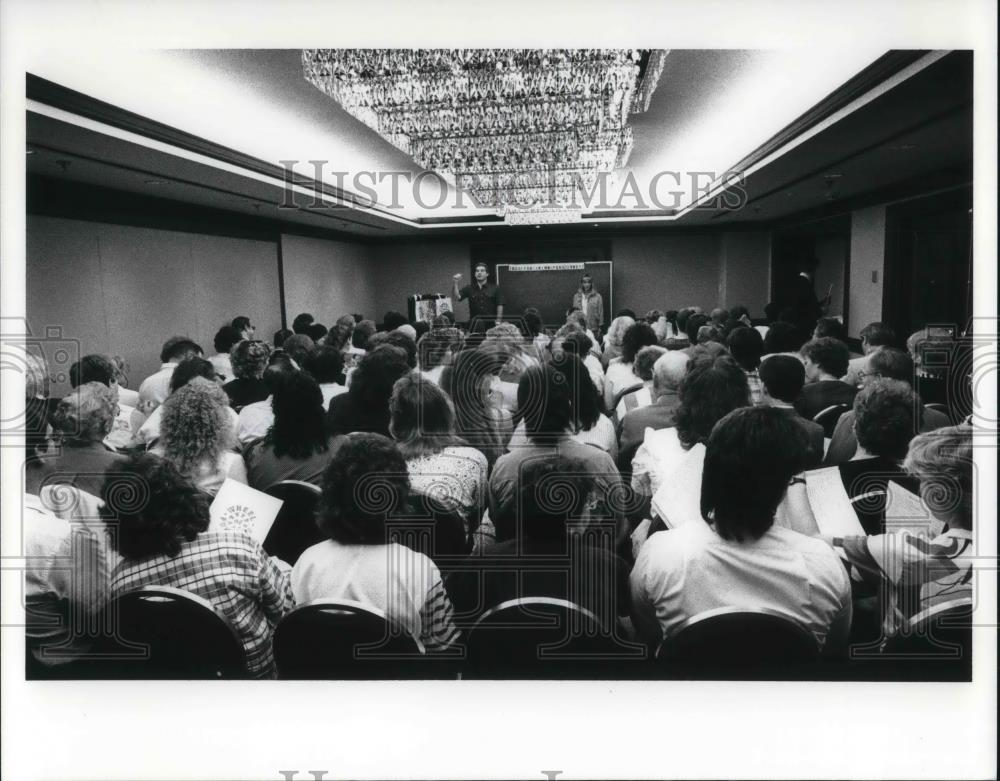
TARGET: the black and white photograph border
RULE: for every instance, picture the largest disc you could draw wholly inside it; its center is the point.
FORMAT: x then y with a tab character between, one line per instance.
290	730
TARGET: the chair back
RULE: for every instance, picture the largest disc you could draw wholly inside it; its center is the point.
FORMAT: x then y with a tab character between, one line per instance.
543	637
942	408
828	418
341	639
159	632
736	642
294	529
935	644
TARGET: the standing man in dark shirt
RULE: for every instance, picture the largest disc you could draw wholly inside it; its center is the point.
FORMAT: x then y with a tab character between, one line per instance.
485	300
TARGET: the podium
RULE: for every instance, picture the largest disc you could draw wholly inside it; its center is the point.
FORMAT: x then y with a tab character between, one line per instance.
427	306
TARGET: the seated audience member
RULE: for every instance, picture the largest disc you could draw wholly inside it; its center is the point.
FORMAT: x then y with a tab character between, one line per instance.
317	332
579	319
249	361
299	347
783	377
620	374
922	572
874	337
830	328
391	320
693	325
296	446
196	434
579	344
225	339
100	368
535	337
719	316
420	328
643	369
614	338
735	556
80	423
668	371
358	562
436	349
713	386
549	398
280	335
589	426
165	542
339	337
242	324
37	404
66	578
440	463
825	360
186	371
404	342
326	365
472	380
711	333
887	363
581	564
407	330
363	331
746	345
365	406
302	322
506	337
255	419
884	426
782	338
935	355
155	388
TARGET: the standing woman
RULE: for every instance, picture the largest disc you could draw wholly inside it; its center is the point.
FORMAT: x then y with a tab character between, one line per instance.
590	302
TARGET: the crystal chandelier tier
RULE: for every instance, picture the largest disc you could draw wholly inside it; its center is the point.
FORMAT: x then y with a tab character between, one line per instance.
518	129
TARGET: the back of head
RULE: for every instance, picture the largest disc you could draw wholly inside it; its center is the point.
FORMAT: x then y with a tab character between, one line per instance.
829	354
750	457
830	327
278	368
532	320
376	373
886	417
783	376
710	333
878	335
617	329
738	312
719	315
280	335
644	361
299	347
712	387
298	429
195	428
552	492
942	461
317	332
668	371
174	510
177	348
302	322
406	343
892	364
365	481
392	320
407	330
422	419
464	380
435	347
746	346
545	398
188	369
93	368
326	364
577	343
782	337
637	336
693	324
225	338
363	331
249	358
86	414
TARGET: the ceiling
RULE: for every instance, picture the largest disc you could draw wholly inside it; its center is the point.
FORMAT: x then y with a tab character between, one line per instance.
209	128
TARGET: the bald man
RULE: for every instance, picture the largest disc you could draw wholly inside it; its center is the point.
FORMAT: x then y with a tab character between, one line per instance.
668	371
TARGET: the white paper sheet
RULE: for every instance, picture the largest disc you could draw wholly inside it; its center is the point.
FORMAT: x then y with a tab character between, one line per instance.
239	508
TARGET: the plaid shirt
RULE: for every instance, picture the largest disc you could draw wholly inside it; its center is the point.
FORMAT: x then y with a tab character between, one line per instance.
233	573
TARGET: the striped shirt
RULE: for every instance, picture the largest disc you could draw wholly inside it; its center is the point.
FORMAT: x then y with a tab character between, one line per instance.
921	572
403	584
232	572
756	388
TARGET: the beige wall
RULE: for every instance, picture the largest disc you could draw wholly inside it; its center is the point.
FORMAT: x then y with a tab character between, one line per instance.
326	278
123	290
867	268
397	271
831	251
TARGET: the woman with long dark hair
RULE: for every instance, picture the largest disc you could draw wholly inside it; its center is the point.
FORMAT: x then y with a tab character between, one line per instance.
297	446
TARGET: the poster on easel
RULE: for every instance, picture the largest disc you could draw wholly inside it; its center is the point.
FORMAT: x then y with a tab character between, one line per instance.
426	306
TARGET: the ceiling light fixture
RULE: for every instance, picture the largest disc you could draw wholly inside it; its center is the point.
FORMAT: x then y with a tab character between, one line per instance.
513	127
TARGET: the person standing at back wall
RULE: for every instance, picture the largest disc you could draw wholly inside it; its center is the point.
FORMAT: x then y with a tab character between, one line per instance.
485	299
590	302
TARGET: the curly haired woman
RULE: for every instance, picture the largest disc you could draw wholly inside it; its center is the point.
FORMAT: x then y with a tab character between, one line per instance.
195	436
249	359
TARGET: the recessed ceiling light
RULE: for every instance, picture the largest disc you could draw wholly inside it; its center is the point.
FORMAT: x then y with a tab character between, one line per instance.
29	151
538	226
596	224
478	229
156	181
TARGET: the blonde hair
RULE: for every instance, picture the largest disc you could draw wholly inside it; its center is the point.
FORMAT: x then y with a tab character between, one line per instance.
942	461
87	414
617	329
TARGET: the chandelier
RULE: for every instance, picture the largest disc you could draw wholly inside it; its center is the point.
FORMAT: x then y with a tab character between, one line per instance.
521	130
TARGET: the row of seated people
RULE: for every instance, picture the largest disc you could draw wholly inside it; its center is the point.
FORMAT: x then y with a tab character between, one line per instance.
453	430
